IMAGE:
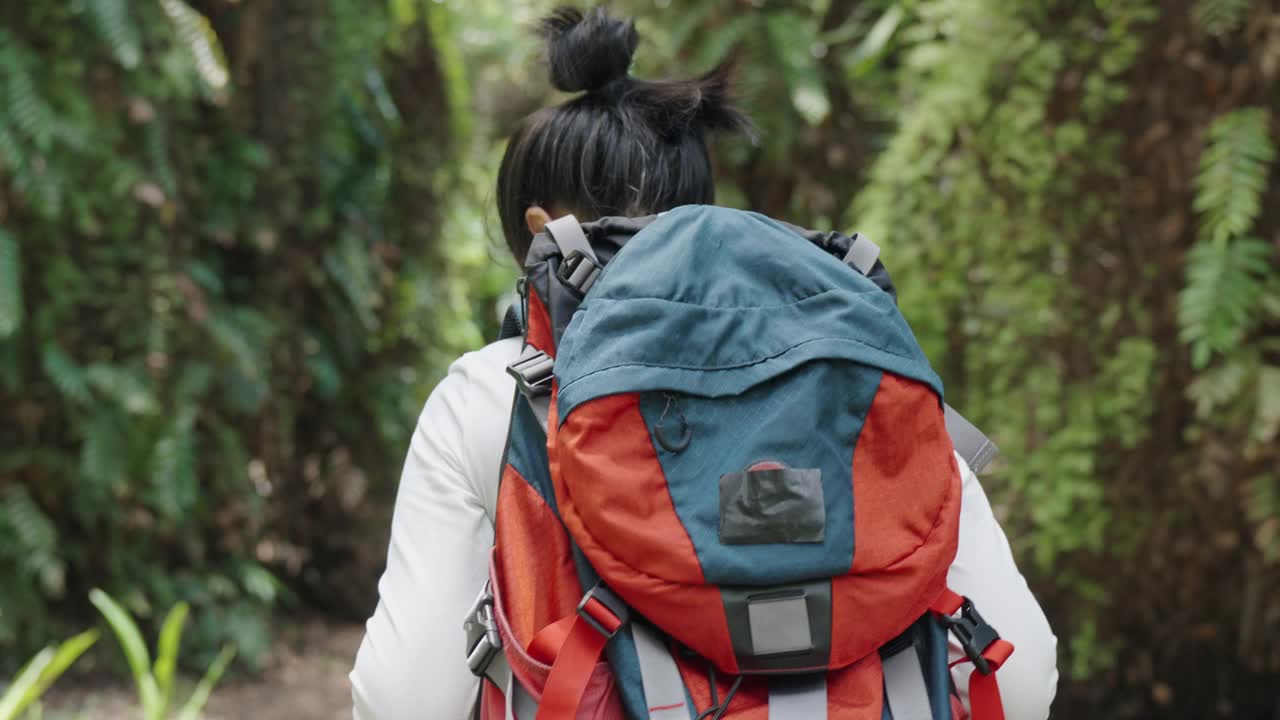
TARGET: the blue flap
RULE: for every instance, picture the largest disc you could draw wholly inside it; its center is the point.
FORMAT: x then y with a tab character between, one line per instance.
711	301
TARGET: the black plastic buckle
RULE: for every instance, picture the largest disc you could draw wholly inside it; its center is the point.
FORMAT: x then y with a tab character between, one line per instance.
483	642
974	633
533	372
611	602
578	272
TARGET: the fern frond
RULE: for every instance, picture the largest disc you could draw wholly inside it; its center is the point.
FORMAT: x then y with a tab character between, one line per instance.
128	389
112	20
173	470
68	377
1223	292
1233	173
201	41
1218	17
11	311
349	265
24	107
103	453
36	537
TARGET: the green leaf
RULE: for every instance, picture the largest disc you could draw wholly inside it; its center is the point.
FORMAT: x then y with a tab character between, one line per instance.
167	651
1233	173
1222	295
135	652
41	672
65	374
867	54
111	17
201	42
173	470
127	388
23	690
1219	17
11	311
200	696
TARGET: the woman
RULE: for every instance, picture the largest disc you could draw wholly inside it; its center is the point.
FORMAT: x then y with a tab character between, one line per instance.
623	147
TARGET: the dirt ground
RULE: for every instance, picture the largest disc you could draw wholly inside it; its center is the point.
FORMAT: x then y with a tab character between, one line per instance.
307	679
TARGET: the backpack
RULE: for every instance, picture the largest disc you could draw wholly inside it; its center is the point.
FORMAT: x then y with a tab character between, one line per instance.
730	488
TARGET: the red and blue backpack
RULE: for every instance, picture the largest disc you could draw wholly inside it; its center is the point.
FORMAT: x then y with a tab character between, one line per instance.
730	488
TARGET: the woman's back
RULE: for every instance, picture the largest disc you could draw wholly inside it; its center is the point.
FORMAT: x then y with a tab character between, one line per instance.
623	147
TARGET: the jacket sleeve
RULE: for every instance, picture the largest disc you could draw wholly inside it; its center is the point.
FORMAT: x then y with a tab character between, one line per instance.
984	571
411	663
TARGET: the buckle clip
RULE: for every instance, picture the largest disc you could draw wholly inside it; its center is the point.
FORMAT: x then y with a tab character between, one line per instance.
533	372
611	604
483	642
974	633
578	272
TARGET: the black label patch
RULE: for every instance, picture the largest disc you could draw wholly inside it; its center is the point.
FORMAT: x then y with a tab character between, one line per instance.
773	505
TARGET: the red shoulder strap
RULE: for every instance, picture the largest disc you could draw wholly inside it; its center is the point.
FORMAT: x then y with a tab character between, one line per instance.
983	647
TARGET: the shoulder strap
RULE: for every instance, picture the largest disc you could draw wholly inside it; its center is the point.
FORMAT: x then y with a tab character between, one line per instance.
863	253
904	686
799	697
976	448
569	237
512	323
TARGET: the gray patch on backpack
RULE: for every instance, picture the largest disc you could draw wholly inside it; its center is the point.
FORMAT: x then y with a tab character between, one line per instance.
775	505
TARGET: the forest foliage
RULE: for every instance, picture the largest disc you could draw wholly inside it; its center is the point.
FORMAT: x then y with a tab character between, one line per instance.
239	242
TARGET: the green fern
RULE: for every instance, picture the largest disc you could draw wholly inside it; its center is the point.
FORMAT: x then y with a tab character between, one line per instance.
197	35
1218	17
103	454
1221	298
68	377
37	540
1233	173
112	20
24	106
11	311
126	388
173	469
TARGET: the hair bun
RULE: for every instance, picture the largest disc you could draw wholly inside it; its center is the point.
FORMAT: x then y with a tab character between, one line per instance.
589	50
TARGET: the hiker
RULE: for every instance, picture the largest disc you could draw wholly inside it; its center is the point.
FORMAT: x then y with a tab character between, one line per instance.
621	147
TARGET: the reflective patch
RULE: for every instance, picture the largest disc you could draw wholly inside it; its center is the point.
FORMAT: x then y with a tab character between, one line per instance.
779	625
774	505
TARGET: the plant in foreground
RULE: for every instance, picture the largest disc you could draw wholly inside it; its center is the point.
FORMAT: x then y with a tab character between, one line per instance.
155	682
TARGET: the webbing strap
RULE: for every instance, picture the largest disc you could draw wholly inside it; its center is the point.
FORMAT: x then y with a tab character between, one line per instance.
569	237
576	660
862	254
904	686
984	691
542	408
798	698
976	448
663	688
520	704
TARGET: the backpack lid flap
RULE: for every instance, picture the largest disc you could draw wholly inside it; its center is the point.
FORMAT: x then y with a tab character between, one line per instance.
711	301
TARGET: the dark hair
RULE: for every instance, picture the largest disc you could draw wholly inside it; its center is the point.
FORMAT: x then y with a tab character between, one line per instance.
625	146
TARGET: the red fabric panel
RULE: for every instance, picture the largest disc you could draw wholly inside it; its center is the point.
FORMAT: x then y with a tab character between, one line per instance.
618	494
533	559
538	325
613	497
906	500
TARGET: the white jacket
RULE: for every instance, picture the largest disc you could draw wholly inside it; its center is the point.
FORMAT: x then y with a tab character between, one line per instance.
411	665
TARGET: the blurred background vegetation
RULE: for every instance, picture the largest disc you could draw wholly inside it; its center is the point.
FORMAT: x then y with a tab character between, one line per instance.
241	239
